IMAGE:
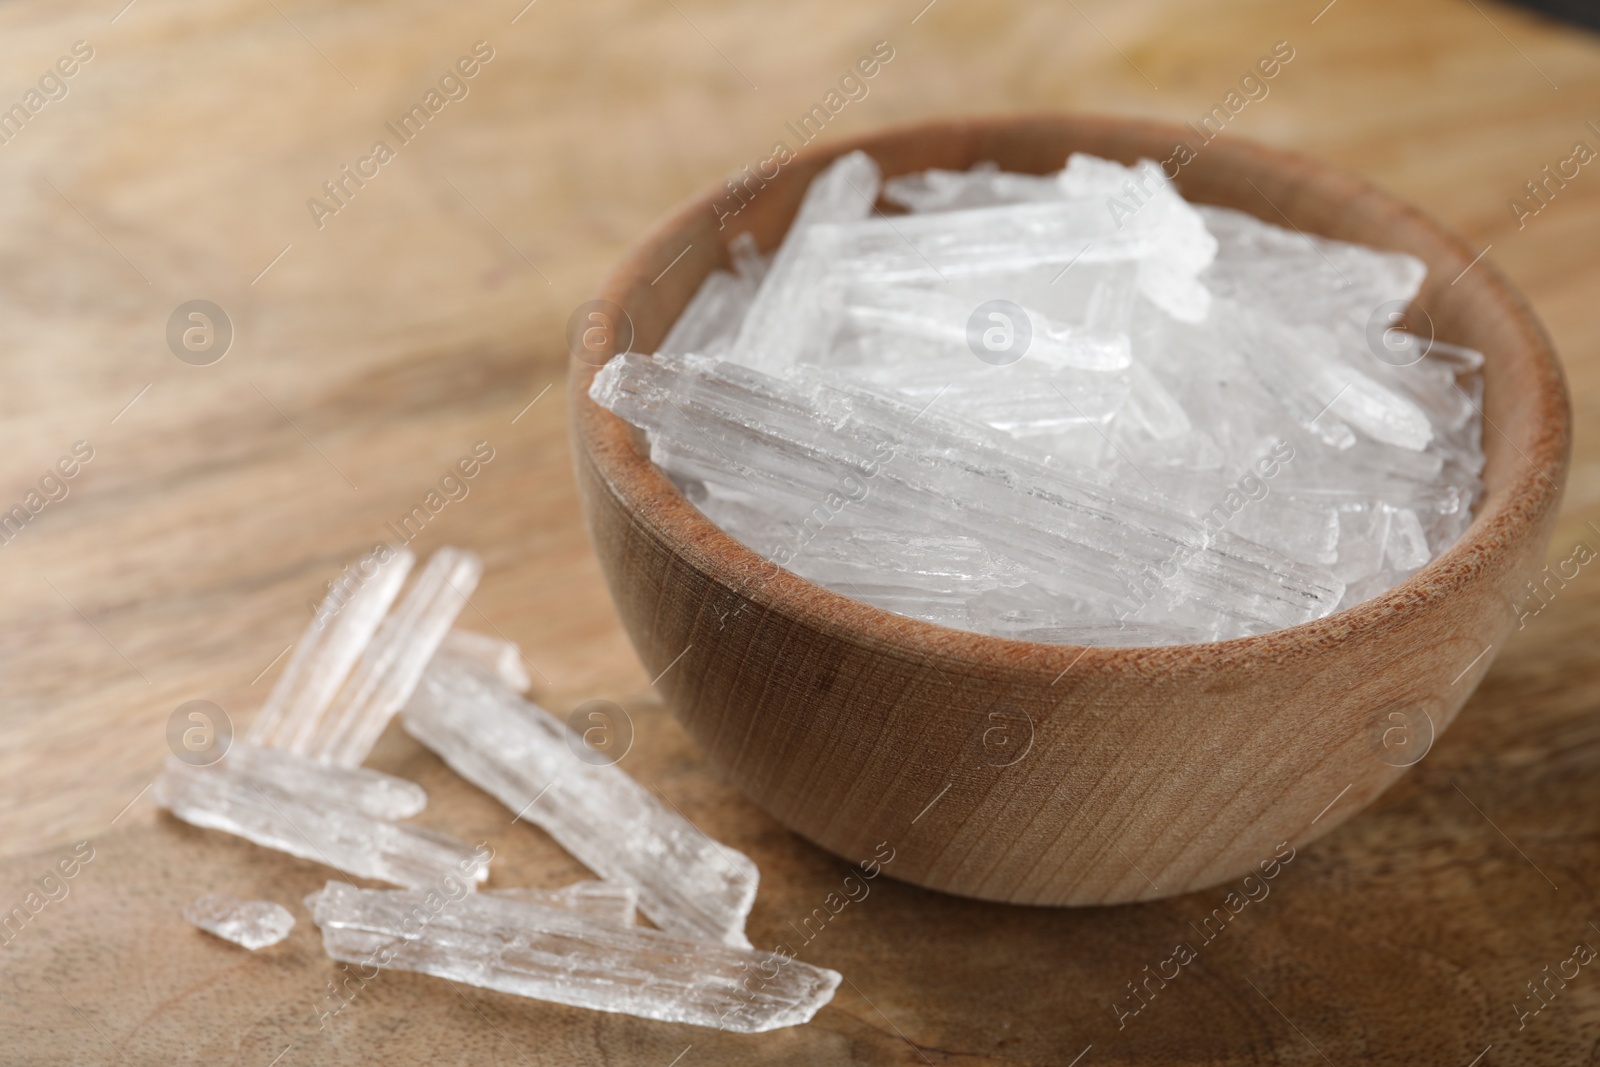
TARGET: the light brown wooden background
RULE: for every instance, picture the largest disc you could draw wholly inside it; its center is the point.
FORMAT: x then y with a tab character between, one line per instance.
428	314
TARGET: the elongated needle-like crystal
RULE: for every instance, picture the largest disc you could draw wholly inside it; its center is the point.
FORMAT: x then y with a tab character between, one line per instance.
314	826
564	956
688	884
845	191
251	923
330	646
395	660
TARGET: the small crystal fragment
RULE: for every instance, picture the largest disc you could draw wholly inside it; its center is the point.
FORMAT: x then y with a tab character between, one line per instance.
602	901
567	957
254	924
314	825
519	753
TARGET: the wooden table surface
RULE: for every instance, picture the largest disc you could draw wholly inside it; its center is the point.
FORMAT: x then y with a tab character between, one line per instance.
375	345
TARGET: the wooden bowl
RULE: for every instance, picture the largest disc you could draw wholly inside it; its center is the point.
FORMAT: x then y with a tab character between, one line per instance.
1051	774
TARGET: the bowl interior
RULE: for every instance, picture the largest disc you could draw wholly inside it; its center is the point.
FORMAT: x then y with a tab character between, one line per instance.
1465	299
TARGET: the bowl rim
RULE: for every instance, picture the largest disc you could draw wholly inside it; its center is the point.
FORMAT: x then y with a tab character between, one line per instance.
1505	515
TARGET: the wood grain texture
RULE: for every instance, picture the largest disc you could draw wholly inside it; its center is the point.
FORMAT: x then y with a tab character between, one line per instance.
1051	774
415	323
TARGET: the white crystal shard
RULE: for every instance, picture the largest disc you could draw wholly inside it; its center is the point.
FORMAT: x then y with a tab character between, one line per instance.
845	191
313	824
602	901
251	923
392	664
498	655
330	646
1214	428
565	956
382	796
519	753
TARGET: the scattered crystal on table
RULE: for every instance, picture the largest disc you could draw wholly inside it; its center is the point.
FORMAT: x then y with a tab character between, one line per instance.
562	955
530	761
315	825
251	923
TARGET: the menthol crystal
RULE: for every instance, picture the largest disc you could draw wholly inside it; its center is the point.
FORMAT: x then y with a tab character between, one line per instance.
251	923
1071	407
563	955
687	883
314	823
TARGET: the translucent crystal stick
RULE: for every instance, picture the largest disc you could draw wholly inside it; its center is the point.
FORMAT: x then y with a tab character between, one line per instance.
1028	398
336	637
519	753
314	827
502	657
395	660
251	923
604	901
932	248
564	956
382	796
1110	546
845	191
